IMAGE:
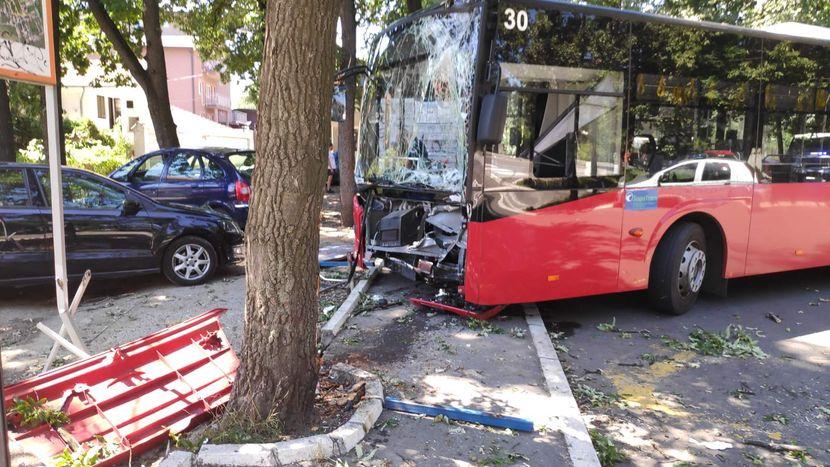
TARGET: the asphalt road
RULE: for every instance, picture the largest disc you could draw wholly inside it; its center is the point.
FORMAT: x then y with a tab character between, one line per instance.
676	405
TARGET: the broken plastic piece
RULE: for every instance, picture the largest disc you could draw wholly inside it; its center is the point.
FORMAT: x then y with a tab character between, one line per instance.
465	415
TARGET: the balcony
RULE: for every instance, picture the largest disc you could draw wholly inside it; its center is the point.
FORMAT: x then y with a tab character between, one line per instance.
216	102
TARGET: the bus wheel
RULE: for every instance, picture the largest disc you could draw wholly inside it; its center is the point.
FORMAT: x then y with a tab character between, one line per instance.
678	269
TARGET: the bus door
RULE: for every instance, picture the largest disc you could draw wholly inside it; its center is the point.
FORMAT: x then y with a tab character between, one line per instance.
550	216
790	225
791	207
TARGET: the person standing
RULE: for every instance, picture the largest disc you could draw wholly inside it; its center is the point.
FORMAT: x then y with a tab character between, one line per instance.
332	167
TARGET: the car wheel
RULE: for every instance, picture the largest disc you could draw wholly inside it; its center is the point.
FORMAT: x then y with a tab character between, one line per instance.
678	269
190	261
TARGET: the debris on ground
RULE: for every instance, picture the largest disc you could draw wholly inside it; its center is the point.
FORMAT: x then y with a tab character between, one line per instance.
734	341
774	318
445	414
713	445
607	451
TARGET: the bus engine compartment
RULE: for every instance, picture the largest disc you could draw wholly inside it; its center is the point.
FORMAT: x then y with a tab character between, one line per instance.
418	239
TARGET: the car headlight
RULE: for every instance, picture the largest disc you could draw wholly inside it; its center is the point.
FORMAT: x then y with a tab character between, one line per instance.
231	227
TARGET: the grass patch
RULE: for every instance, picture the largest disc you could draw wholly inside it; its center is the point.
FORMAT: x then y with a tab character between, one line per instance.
354	340
597	398
778	418
184	443
518	333
733	341
494	455
238	428
391	422
86	455
483	328
445	347
80	458
34	412
606	449
608	327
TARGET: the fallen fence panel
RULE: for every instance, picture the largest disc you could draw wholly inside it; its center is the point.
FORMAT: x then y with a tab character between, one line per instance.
131	398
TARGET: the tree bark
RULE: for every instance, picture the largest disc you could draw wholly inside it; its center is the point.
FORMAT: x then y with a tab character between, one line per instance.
6	129
278	372
153	79
346	141
413	5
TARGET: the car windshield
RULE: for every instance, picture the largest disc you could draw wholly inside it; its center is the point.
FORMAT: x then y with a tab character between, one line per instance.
418	103
244	162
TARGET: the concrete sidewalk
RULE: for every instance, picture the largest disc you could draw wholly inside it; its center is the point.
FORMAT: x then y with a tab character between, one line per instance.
436	358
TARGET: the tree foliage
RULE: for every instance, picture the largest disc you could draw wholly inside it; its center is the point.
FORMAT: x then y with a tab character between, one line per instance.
227	32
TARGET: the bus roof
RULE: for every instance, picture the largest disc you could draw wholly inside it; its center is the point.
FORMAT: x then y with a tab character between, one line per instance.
806	34
811	35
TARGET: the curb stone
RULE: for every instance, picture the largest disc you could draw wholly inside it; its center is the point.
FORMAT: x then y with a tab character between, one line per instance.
567	419
178	459
337	443
339	318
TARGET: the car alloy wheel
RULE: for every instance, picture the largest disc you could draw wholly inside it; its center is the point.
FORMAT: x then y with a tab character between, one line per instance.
191	262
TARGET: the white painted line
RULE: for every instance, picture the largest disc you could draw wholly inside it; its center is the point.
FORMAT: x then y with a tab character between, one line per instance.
566	416
339	318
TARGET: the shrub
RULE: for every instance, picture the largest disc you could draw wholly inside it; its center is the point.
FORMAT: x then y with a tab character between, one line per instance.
87	147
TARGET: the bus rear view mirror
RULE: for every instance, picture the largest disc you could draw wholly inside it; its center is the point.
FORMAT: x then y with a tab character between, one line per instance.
492	118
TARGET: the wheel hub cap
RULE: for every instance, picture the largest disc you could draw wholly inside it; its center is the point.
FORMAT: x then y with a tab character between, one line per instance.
191	262
692	269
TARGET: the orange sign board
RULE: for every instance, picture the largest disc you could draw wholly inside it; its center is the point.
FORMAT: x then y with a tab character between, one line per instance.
26	41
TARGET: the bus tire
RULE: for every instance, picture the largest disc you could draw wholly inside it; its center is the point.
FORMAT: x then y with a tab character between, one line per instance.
678	269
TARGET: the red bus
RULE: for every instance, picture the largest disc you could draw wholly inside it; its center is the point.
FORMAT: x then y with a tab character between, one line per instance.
525	151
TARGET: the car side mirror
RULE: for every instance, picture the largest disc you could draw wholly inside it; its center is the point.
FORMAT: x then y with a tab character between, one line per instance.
130	207
492	118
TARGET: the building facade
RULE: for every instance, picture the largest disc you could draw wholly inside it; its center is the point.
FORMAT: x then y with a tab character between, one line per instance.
200	101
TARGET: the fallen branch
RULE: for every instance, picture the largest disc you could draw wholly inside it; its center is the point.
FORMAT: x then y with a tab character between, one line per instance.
775	447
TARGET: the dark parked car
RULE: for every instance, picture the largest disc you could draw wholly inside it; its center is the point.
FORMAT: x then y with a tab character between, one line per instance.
196	177
110	229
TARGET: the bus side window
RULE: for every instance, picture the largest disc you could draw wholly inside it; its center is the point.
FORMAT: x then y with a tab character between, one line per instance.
716	172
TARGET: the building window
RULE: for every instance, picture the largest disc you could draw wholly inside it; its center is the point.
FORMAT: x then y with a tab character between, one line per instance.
201	88
102	107
130	104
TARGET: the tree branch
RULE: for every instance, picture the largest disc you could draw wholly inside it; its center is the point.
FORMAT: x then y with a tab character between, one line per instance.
128	57
156	67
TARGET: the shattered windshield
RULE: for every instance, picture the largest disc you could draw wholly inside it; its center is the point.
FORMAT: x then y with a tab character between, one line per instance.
418	102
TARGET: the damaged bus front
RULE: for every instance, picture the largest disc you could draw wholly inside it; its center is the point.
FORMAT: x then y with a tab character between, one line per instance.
412	167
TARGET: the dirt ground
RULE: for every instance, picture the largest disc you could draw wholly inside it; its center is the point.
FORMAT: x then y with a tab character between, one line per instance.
677	406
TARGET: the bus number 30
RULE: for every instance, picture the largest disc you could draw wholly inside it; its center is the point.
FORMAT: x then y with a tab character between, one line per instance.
515	19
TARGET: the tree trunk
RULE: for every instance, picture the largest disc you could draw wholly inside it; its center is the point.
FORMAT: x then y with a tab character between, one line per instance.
6	130
346	142
278	372
153	79
158	101
413	5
